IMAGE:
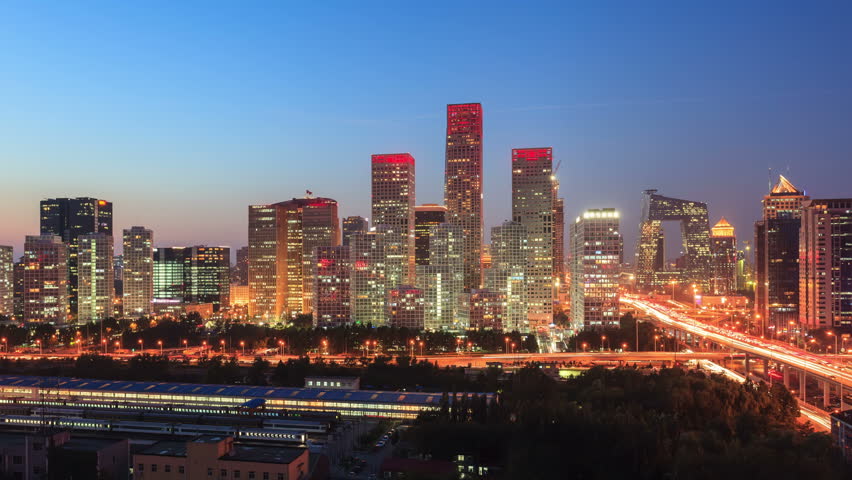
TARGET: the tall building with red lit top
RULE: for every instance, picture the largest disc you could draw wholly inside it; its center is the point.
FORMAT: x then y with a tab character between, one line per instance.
533	206
463	183
393	213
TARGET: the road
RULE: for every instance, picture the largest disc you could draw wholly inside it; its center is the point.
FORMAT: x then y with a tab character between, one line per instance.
776	351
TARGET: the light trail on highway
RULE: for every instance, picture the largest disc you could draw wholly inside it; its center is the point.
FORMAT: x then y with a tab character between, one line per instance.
741	342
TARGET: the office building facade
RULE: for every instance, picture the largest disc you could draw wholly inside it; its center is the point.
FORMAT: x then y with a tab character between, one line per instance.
367	284
406	307
393	210
723	249
777	256
96	282
596	258
68	218
138	272
352	225
507	275
332	295
463	183
45	280
425	217
533	206
487	309
7	282
825	264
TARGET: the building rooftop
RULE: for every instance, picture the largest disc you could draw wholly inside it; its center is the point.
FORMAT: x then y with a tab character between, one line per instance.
166	449
89	444
241	391
251	453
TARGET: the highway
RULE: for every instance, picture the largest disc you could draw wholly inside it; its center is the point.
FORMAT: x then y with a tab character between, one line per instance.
783	353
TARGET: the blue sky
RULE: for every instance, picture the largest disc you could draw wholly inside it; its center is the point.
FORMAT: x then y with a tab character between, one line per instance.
183	113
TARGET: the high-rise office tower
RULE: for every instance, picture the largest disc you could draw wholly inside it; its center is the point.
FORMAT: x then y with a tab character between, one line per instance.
745	268
487	309
651	272
7	282
207	274
825	264
367	279
558	241
463	183
442	280
425	217
191	275
169	279
533	206
596	258
138	271
723	248
508	273
282	239
69	218
393	208
405	307
351	226
95	277
777	256
45	282
240	275
19	270
331	286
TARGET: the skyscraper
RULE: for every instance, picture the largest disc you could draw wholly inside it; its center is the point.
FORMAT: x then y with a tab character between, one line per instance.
393	210
596	257
45	283
558	241
508	272
425	217
777	255
282	239
405	307
191	275
825	264
240	276
651	270
723	248
463	183
69	218
138	272
331	286
95	277
351	226
367	284
487	309
7	282
442	280
533	206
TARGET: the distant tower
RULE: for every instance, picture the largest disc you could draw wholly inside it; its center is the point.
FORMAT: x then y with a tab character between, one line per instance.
138	273
367	284
95	277
332	295
442	280
425	217
723	248
69	218
507	275
463	183
533	206
776	256
351	226
393	210
7	282
45	279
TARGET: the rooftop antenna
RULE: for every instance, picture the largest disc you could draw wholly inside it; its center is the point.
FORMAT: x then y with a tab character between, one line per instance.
770	179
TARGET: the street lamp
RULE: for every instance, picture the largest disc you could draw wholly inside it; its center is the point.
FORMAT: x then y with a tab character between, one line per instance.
160	343
40	351
421	348
203	346
624	347
104	343
281	346
584	345
507	344
243	346
5	347
141	345
656	337
603	339
185	343
325	346
835	342
222	343
411	343
117	345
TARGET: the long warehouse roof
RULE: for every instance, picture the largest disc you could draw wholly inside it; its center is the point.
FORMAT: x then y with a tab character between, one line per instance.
374	396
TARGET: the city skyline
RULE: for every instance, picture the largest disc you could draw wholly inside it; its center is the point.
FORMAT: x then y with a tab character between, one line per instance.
696	138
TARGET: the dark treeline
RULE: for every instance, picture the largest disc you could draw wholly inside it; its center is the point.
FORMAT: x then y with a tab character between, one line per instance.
622	423
297	339
381	372
625	334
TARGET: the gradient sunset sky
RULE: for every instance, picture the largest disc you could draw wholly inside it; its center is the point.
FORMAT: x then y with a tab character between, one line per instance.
183	113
